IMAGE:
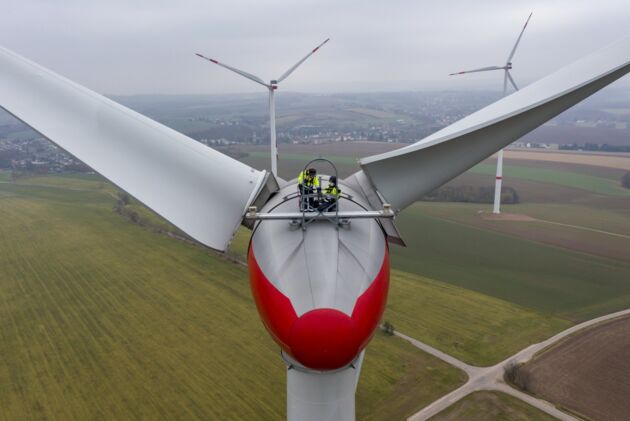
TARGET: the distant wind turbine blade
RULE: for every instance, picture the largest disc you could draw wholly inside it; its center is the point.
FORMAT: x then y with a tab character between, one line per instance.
511	80
483	69
235	70
288	72
518	40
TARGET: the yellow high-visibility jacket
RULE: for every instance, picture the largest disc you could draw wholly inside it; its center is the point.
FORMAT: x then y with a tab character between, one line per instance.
332	190
305	180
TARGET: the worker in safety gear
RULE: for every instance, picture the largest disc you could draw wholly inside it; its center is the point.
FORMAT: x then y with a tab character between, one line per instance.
331	195
308	184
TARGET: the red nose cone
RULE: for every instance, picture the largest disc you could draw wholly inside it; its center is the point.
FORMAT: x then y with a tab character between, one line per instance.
324	339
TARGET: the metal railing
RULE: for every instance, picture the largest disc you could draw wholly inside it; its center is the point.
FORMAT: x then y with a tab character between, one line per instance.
315	206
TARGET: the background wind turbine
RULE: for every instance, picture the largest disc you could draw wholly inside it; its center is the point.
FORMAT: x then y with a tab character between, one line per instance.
271	86
506	76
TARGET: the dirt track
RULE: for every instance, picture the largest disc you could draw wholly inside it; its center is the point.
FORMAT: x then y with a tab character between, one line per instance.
588	373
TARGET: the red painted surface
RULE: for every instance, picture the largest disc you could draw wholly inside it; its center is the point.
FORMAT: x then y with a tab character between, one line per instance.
325	338
370	306
274	308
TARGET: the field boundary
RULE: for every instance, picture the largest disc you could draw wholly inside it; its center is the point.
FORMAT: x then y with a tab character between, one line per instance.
492	378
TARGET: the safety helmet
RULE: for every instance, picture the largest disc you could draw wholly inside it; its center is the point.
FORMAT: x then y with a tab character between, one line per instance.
333	179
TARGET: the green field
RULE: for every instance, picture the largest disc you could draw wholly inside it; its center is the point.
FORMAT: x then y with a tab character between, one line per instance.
397	380
290	164
68	181
305	157
586	230
589	218
610	220
486	405
472	327
113	320
103	319
548	279
590	183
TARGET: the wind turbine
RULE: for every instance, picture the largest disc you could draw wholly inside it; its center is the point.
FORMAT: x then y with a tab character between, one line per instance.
506	76
271	86
320	290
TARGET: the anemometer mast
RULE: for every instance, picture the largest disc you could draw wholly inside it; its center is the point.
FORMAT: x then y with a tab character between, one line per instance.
271	86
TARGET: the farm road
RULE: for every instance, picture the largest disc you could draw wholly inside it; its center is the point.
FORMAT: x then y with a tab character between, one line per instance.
614	234
491	378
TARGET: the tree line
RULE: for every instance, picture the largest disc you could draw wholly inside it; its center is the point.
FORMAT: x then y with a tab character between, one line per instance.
471	194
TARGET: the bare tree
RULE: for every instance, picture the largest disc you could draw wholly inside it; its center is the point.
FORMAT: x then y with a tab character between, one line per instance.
388	328
517	375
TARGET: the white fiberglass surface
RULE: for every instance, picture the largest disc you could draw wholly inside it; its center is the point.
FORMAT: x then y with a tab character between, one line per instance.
403	176
320	267
198	189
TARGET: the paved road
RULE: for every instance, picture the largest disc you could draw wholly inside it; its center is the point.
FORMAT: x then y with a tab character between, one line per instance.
491	378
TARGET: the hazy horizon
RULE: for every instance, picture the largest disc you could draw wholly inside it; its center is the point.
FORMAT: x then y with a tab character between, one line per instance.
146	47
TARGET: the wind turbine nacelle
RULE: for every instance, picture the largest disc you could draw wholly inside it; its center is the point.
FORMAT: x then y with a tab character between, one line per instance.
320	292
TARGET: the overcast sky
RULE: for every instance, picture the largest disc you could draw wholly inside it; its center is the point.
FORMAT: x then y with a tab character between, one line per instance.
147	46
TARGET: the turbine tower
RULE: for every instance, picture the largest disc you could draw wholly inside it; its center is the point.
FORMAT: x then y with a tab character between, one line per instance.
506	76
271	86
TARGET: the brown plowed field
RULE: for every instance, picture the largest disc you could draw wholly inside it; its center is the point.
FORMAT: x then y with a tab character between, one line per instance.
588	373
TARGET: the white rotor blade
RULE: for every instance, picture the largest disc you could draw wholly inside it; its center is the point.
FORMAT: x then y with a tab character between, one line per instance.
483	69
518	40
235	70
403	176
511	80
198	189
296	65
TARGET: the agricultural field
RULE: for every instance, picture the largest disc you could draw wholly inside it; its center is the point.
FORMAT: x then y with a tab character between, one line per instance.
378	114
548	279
135	308
290	164
582	375
486	405
475	328
595	232
101	318
602	160
589	183
79	181
397	380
